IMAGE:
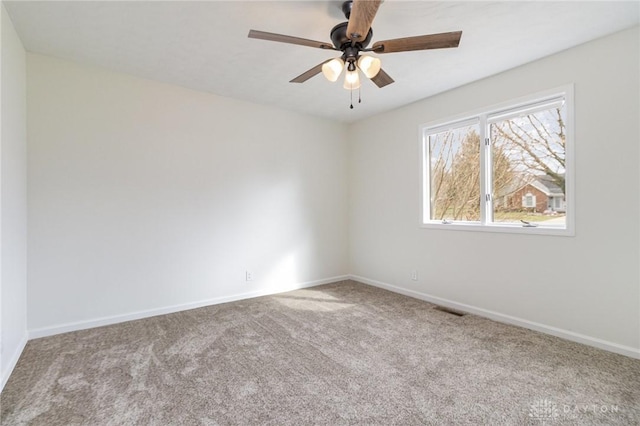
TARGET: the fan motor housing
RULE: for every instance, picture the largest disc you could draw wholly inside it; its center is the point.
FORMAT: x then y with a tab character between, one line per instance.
341	41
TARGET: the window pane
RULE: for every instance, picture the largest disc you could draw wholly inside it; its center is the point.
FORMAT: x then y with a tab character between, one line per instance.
528	159
455	174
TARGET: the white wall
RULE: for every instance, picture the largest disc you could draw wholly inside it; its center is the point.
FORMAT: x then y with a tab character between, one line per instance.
13	211
144	196
588	284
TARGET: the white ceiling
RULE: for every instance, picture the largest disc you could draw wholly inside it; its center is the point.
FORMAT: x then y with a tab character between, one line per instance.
204	45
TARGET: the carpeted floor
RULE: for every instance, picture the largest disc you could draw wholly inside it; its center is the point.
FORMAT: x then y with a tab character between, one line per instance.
338	354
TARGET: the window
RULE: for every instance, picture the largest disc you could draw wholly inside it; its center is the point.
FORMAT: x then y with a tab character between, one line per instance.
454	173
507	168
529	201
558	204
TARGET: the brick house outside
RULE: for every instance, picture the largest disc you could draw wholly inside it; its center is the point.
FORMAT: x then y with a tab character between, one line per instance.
542	195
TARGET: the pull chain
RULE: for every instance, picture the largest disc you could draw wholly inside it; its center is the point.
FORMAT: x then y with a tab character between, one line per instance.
351	95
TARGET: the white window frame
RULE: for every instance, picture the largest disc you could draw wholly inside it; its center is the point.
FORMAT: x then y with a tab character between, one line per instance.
486	116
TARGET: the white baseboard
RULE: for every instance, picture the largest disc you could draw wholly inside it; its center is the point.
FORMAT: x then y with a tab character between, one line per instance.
507	319
99	322
496	316
13	361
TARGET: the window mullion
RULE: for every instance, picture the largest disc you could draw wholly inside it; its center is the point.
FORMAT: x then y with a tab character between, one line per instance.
485	173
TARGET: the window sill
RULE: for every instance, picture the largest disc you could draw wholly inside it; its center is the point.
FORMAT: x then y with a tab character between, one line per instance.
502	228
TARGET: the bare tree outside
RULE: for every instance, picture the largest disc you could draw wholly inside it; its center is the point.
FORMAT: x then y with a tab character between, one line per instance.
535	143
455	174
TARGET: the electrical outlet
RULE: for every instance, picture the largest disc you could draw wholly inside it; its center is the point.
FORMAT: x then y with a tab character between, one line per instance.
414	275
248	275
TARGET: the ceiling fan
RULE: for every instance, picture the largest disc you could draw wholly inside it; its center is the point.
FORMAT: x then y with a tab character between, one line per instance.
352	38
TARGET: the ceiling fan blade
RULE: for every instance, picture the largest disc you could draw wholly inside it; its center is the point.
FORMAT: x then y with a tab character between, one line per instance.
308	74
361	18
423	42
262	35
382	79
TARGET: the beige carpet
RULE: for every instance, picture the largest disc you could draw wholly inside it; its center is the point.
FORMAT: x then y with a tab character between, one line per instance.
337	354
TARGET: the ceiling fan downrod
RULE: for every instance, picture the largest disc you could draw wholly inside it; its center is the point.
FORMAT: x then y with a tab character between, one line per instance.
346	8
